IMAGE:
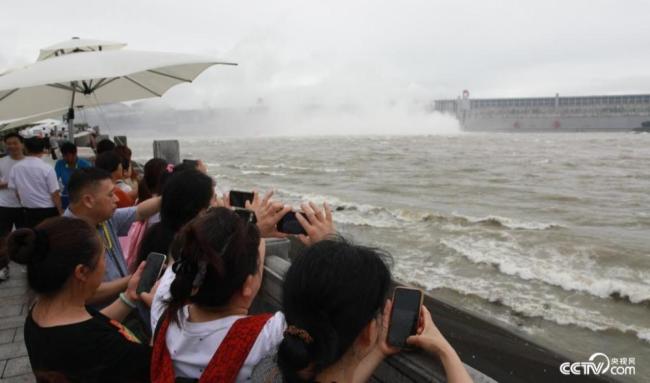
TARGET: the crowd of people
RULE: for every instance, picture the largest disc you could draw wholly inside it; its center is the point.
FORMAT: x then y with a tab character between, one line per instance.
84	231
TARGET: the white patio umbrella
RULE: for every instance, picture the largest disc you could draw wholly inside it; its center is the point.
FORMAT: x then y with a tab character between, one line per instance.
18	123
75	45
88	79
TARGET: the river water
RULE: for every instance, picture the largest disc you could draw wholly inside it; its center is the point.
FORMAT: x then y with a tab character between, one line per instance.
547	234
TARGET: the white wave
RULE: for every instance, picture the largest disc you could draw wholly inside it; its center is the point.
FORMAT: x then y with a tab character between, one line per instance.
263	173
572	273
357	220
509	223
644	335
385	217
531	301
333	170
274	166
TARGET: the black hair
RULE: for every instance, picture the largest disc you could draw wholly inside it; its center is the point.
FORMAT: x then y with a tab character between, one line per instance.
183	197
84	178
227	248
108	161
124	153
68	148
34	145
53	250
331	291
13	135
150	182
105	145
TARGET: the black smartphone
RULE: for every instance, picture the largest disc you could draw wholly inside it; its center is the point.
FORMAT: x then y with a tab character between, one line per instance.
289	224
151	272
404	316
191	163
247	215
239	198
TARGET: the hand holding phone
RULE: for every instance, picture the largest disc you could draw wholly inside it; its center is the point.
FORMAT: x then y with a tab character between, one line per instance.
151	272
289	224
404	315
239	198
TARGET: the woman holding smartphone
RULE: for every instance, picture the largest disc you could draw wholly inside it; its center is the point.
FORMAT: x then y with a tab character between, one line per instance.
65	338
337	316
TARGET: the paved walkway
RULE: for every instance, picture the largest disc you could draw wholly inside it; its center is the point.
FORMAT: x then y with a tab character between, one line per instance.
14	364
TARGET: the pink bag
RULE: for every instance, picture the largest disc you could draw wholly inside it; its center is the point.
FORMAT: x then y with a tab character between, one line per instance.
136	233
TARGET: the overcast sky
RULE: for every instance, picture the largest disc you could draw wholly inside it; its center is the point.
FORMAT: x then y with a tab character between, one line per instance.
349	52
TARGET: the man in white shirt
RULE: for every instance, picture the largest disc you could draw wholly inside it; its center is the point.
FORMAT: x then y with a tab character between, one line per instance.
11	212
36	184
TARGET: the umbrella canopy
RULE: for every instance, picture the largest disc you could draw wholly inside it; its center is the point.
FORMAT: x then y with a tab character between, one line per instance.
78	45
93	78
18	123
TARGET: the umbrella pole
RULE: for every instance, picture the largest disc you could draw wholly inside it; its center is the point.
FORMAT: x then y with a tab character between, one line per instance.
71	114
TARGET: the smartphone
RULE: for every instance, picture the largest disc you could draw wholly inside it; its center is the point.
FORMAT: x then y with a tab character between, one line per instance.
289	224
247	215
191	163
151	272
239	198
404	316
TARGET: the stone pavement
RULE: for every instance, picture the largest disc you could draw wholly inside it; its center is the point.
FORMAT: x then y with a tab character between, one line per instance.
14	364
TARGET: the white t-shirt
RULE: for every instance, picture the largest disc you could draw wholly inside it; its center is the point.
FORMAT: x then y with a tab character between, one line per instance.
8	196
35	182
192	345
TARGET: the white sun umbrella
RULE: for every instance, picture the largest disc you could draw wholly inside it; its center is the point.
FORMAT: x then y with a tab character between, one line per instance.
75	45
90	79
18	123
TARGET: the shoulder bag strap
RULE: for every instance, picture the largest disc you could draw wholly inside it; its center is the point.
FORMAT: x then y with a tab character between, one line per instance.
233	351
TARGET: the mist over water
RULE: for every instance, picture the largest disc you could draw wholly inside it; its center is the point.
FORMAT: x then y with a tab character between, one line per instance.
275	119
543	233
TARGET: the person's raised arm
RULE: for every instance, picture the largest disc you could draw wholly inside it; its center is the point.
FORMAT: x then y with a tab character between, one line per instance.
146	209
431	340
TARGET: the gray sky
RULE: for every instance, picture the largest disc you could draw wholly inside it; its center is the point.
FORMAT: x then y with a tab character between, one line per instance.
361	52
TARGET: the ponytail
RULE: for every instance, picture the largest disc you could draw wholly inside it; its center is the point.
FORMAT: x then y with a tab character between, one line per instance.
214	254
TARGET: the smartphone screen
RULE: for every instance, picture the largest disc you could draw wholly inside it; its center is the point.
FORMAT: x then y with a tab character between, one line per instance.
404	315
239	198
290	225
151	272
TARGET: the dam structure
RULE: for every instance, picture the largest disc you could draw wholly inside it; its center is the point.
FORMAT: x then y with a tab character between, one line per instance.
539	114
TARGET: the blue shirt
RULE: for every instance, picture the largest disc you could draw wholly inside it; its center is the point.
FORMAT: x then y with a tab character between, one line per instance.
64	171
109	231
